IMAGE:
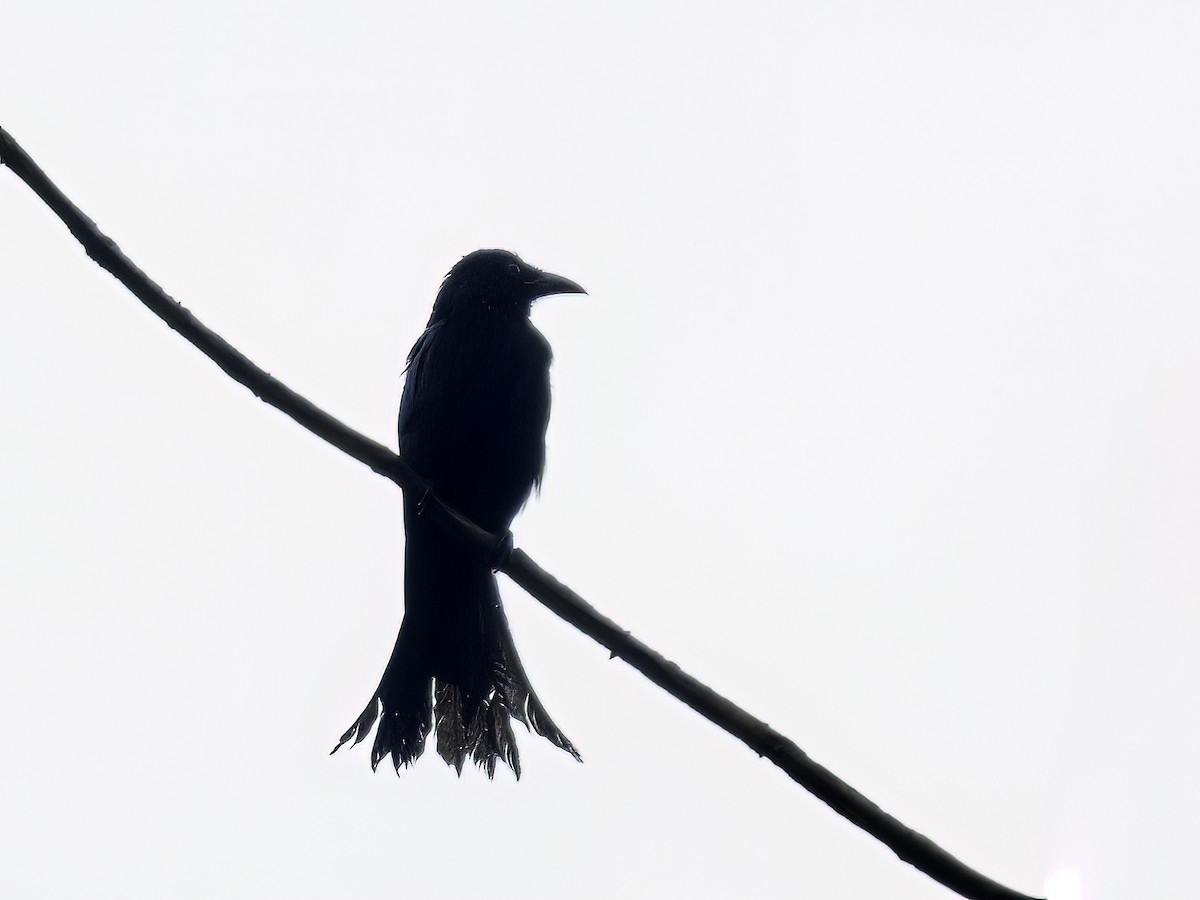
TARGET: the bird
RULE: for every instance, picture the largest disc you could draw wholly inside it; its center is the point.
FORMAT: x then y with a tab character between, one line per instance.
472	423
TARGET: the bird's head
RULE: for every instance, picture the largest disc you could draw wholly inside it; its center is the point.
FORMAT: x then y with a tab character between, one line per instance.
498	282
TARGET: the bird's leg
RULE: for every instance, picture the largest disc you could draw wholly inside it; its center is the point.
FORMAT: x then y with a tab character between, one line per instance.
501	552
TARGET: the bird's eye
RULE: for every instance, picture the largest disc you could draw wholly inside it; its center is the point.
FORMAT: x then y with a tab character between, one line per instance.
514	270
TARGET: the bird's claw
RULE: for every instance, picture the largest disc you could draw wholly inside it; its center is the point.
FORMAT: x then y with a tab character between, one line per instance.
502	552
424	498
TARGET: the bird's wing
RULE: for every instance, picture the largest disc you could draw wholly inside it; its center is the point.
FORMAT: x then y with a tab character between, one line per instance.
417	385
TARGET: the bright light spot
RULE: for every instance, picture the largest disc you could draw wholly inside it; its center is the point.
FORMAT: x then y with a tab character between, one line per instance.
1064	885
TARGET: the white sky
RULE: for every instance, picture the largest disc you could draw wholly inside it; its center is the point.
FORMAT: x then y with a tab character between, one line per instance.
881	417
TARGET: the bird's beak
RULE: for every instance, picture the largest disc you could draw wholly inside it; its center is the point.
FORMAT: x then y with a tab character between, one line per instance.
546	284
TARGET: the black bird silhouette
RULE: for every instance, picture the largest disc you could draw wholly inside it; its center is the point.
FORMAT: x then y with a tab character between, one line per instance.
473	419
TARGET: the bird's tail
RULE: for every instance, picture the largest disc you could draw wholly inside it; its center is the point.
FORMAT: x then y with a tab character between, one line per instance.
403	705
455	670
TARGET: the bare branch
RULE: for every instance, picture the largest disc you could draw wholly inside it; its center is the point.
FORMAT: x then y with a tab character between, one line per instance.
910	846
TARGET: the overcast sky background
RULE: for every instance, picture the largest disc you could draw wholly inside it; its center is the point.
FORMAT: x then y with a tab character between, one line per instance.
881	417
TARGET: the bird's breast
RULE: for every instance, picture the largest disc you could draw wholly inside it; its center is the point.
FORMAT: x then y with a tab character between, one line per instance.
473	417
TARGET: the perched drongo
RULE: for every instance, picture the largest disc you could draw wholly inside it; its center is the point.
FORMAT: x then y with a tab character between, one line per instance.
473	419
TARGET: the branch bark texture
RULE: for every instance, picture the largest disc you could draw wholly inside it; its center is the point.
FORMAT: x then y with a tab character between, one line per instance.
909	845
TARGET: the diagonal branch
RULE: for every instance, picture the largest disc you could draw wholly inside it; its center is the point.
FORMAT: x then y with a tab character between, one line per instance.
910	846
